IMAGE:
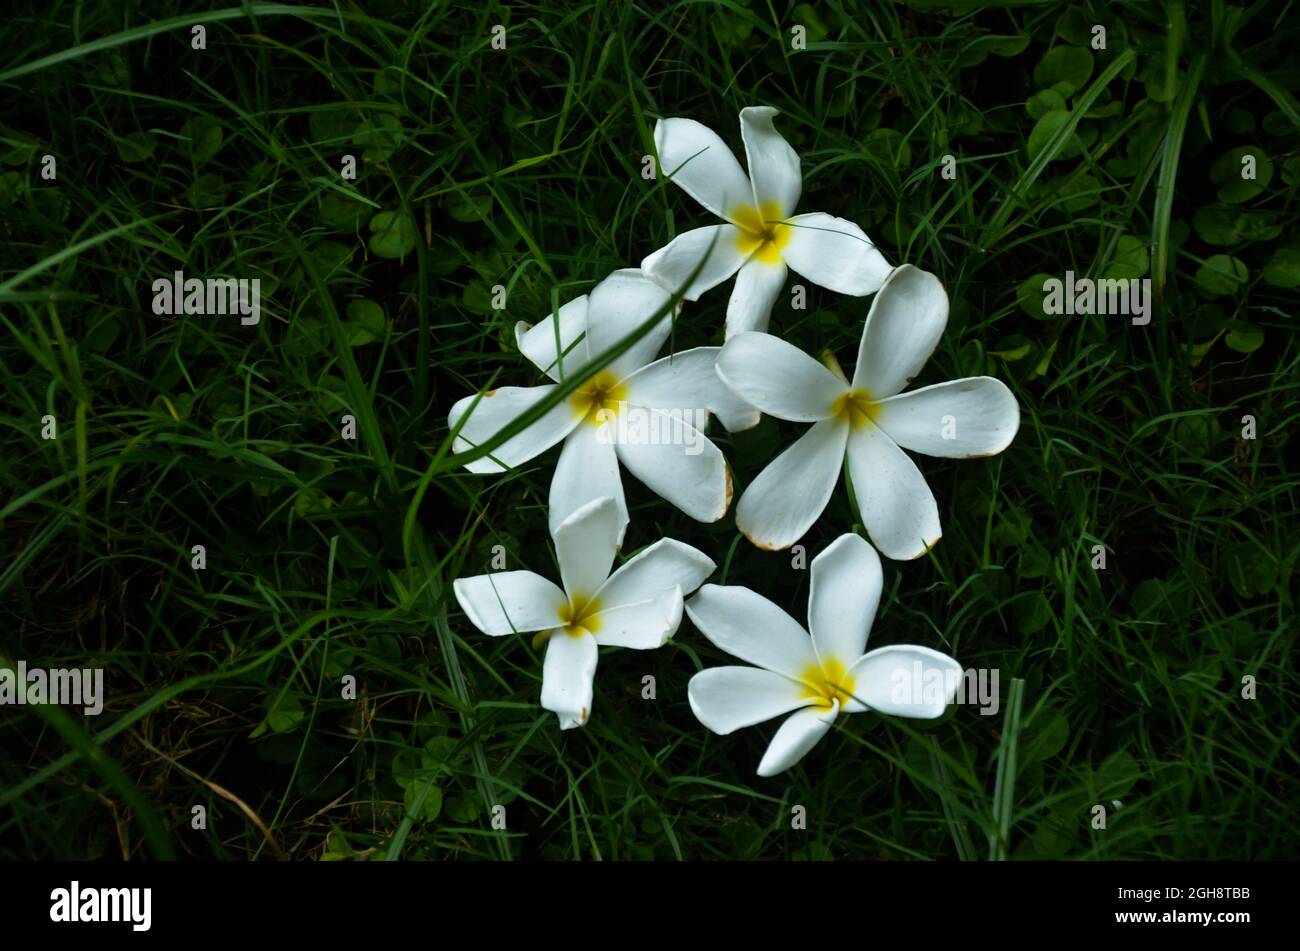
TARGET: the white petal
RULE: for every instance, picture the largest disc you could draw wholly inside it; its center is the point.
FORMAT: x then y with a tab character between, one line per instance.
694	157
962	419
757	286
904	681
689	471
643	626
779	378
497	409
688	380
788	496
665	565
567	675
748	626
726	699
773	164
842	602
796	736
539	344
718	246
619	304
507	602
834	253
903	327
586	543
587	470
897	507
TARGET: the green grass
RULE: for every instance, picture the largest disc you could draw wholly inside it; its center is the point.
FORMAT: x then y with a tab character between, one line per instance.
522	167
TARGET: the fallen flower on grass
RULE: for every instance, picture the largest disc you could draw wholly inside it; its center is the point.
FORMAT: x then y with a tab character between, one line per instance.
816	678
672	393
762	238
868	422
638	606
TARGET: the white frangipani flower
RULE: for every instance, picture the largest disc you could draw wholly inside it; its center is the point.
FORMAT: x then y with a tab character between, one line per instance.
618	415
868	420
817	678
762	235
638	606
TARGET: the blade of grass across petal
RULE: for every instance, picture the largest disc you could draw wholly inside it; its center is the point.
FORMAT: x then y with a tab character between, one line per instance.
562	390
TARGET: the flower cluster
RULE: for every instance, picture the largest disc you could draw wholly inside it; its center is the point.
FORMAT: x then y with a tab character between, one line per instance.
636	410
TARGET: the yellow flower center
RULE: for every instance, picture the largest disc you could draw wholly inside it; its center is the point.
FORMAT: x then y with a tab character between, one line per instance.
761	232
579	616
827	682
858	406
597	401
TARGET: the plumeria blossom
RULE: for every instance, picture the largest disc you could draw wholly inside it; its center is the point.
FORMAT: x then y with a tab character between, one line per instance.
762	237
816	678
647	414
867	421
638	606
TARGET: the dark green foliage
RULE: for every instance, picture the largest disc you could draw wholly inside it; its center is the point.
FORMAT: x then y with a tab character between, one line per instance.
522	167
